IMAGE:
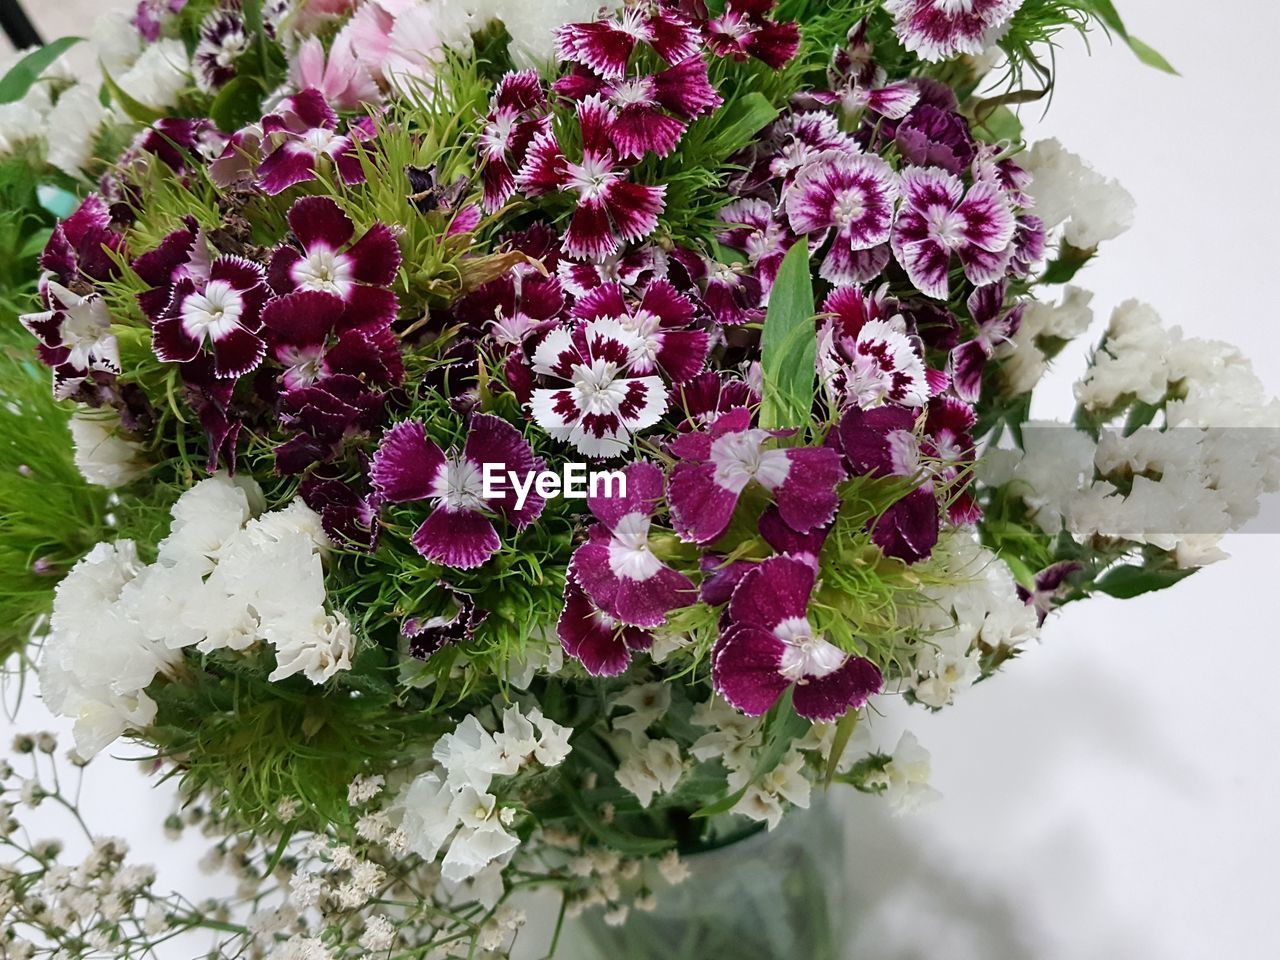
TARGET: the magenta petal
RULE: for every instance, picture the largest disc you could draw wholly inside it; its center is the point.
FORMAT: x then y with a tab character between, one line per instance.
371	305
645	603
376	256
823	699
776	590
927	264
591	570
289	165
744	668
644	490
786	541
406	464
700	508
319	221
463	539
640	130
635	208
845	267
590	234
306	317
237	352
720	579
682	354
172	343
909	529
600	646
967	362
807	498
493	440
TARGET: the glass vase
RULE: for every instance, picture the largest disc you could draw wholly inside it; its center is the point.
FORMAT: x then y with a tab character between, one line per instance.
772	896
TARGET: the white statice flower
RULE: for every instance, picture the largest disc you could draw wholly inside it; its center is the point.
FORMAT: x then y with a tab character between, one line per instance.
72	128
300	947
317	645
1055	464
115	41
159	74
1133	361
976	602
454	808
22	120
102	455
766	799
649	768
1023	358
1066	190
733	738
379	934
646	703
905	779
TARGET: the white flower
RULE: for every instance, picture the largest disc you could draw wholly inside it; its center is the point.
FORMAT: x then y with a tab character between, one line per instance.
363	789
116	41
553	740
379	934
516	741
161	72
650	768
1023	360
906	777
299	947
673	869
318	645
481	838
768	798
1068	190
648	703
206	519
72	128
470	755
1133	360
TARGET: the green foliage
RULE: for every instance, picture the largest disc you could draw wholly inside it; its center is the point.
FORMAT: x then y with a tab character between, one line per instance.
789	344
22	76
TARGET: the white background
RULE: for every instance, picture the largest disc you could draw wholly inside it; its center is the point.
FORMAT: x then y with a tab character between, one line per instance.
1114	793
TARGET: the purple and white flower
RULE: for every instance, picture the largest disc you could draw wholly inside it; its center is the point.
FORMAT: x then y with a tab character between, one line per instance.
940	221
852	196
223	39
304	129
610	208
941	29
314	334
744	30
75	337
606	45
604	401
598	641
856	83
660	322
865	356
459	531
517	114
357	273
718	464
617	566
768	644
222	313
995	326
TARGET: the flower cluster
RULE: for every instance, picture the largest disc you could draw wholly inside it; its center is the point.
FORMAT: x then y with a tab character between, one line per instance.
782	289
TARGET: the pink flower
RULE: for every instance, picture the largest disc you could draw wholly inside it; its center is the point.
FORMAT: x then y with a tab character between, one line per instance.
744	30
606	45
768	644
341	77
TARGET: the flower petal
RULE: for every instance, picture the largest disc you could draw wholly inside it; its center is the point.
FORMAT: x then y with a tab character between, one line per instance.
406	464
462	539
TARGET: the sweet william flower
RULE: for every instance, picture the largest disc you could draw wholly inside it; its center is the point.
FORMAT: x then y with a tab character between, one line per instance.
995	326
603	402
865	356
851	196
606	45
223	40
745	30
75	338
344	81
314	335
223	313
942	29
653	110
856	83
602	644
617	566
768	645
517	114
718	464
940	221
326	260
303	129
610	208
459	531
660	321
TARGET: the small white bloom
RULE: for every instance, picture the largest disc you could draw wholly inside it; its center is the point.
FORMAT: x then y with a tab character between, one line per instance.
1068	190
906	777
650	769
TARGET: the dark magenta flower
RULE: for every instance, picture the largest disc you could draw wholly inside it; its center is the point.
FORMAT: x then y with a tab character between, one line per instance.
221	313
995	325
660	322
517	114
606	45
459	531
596	640
745	30
942	29
303	130
768	644
314	335
717	465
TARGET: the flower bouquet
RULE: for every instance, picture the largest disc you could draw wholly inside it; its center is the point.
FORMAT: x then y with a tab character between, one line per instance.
482	446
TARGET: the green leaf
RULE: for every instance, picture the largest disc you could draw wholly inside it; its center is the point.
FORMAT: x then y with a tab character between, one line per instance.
740	122
236	104
844	732
135	110
23	74
1071	260
627	844
1129	581
1106	11
789	344
999	125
